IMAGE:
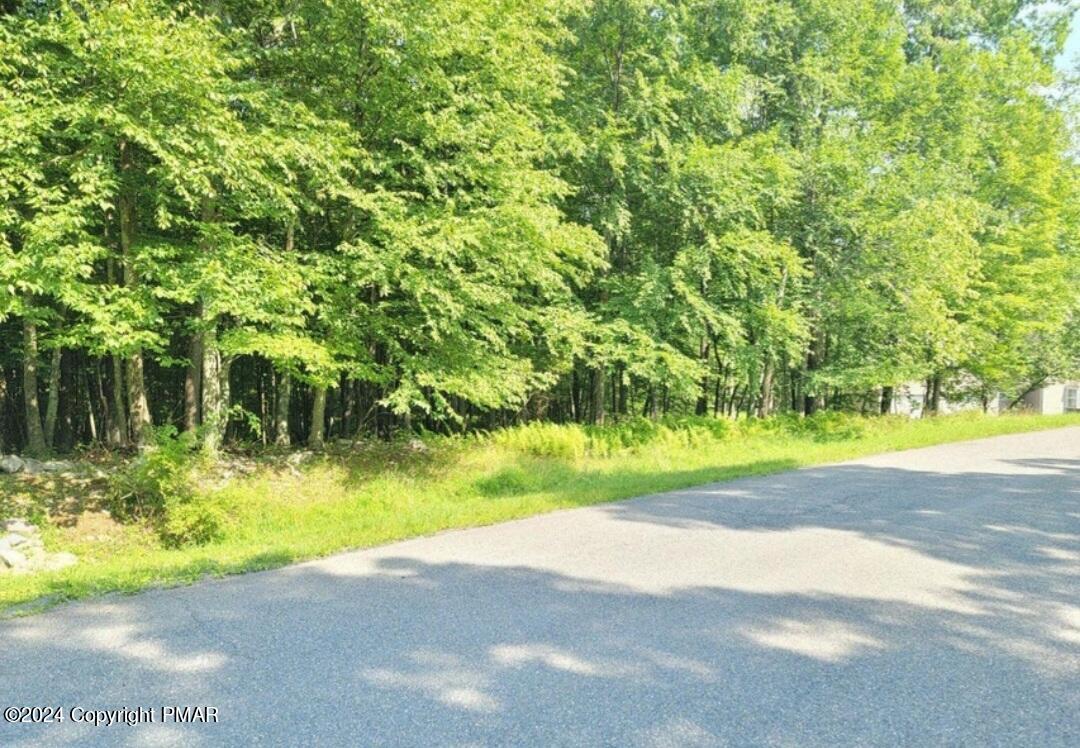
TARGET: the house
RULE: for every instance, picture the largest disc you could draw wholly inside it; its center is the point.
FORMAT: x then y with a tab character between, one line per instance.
909	399
1054	398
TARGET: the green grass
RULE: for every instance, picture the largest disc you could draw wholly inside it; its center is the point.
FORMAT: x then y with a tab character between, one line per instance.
377	493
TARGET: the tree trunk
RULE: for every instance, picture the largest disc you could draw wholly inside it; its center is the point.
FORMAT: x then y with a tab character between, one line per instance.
767	375
35	437
3	397
765	408
70	395
115	411
575	396
212	416
193	384
53	404
281	410
224	376
623	392
344	406
212	410
318	419
934	393
91	421
812	401
118	429
886	400
137	398
598	396
701	407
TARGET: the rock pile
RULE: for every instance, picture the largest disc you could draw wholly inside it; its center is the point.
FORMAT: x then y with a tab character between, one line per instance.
22	551
16	464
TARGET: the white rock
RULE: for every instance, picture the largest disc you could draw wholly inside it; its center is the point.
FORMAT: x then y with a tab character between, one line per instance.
14	540
11	464
57	466
11	558
32	466
18	526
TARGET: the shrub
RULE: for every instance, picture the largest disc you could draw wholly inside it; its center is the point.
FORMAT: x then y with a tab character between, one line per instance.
696	431
196	520
824	426
158	488
637	432
544	440
571	441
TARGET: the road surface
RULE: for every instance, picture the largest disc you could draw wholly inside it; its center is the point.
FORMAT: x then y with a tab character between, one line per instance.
929	597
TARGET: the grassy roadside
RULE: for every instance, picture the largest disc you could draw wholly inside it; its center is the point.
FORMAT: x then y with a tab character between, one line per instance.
371	493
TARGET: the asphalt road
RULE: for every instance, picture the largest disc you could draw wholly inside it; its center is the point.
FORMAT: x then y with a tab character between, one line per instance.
929	597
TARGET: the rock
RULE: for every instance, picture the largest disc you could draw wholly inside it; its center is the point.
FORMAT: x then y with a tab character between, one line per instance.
297	458
37	467
14	540
18	526
32	466
57	466
12	558
22	552
11	464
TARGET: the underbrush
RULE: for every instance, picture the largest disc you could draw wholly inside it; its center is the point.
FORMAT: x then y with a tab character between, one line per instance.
574	441
159	488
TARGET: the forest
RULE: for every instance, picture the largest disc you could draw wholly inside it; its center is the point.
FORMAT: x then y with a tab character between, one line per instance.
271	222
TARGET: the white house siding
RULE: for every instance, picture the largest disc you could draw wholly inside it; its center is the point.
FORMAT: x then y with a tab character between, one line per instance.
910	398
1051	399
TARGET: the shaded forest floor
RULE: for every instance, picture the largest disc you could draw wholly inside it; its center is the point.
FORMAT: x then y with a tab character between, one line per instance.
280	507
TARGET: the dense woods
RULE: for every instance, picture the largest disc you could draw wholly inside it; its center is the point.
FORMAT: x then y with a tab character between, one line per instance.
280	221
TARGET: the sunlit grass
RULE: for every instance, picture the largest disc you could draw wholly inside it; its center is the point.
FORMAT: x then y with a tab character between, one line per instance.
380	493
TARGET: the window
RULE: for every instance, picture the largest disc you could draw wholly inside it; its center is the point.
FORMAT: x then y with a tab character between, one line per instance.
1072	398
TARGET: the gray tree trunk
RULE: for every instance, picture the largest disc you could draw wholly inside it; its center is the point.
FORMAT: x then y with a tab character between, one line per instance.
212	412
193	384
318	419
281	410
934	393
815	357
52	406
118	427
138	402
886	400
91	421
35	437
598	392
765	407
